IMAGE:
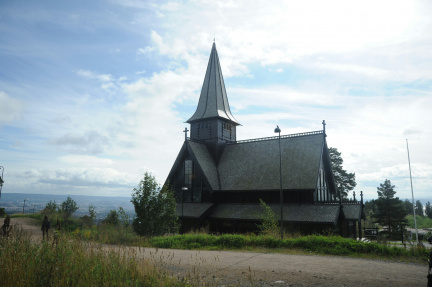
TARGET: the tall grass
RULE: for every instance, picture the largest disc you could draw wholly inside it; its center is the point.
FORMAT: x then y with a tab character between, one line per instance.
38	216
318	244
333	245
111	234
74	263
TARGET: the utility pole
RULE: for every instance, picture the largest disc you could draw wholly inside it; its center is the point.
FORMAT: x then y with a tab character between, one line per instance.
24	205
412	192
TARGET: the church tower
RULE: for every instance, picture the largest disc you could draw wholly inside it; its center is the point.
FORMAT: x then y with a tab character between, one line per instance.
212	122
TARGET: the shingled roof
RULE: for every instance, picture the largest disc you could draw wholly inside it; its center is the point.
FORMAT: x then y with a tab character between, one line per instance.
305	213
213	101
205	161
254	165
353	212
193	210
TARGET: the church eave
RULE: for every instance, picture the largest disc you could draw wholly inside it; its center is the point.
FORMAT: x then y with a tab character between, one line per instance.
234	122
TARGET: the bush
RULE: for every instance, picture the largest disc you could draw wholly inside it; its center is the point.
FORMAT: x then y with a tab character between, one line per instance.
68	207
112	218
155	208
269	224
333	245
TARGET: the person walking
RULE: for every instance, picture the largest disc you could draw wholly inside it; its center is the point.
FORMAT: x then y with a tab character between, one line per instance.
46	225
6	226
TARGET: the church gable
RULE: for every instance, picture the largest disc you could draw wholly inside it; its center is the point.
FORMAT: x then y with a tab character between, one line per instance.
205	162
325	187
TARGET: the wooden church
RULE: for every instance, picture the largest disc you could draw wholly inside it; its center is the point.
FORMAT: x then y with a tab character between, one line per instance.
219	181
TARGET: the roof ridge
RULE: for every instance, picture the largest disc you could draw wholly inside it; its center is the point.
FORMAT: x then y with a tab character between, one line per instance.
277	137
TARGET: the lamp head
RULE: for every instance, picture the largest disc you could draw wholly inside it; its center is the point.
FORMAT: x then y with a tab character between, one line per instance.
277	129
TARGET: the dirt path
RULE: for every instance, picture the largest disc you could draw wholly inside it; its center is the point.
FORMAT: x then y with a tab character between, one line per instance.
268	269
29	226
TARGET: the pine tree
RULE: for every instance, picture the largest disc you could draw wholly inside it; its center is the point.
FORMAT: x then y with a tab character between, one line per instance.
428	210
390	210
345	182
408	206
419	208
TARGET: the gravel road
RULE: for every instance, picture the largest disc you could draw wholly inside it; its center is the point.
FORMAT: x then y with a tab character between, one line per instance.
226	268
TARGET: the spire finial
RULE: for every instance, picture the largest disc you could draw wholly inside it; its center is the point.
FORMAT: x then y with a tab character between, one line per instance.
324	124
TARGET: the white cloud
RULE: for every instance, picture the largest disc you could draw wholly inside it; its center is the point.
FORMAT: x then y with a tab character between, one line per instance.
10	108
146	50
368	71
288	30
89	181
85	160
171	6
92	142
90	75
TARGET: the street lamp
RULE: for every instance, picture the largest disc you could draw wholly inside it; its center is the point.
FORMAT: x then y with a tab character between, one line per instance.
183	190
278	130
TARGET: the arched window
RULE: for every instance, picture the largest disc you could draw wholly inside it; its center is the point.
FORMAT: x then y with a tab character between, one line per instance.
188	173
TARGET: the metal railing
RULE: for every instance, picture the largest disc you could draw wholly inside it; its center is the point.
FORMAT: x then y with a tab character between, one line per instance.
264	139
277	137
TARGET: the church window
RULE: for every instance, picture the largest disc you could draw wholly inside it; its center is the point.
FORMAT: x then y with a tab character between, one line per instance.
188	173
226	126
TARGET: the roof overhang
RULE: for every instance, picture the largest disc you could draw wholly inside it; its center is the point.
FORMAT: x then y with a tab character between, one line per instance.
353	211
309	213
193	210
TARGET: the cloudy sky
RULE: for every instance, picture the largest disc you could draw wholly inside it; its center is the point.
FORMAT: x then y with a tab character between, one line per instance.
94	93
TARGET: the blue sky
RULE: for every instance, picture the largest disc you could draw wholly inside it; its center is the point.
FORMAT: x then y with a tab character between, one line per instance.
93	94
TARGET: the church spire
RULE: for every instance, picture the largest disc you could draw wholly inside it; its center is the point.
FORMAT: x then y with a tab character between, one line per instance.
213	102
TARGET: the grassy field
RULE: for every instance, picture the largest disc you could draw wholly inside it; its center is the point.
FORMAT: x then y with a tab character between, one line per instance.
74	259
295	244
69	261
316	244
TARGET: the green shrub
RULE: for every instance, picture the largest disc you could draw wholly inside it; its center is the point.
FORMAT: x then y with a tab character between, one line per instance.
333	245
269	223
111	234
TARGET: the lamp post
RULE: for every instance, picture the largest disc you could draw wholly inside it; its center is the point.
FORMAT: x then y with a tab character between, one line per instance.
278	130
412	193
24	205
183	194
